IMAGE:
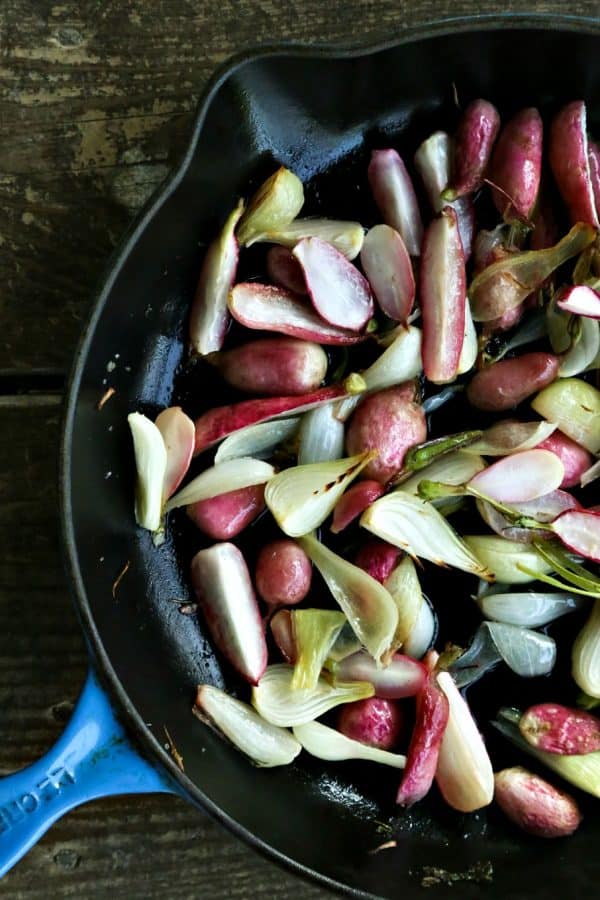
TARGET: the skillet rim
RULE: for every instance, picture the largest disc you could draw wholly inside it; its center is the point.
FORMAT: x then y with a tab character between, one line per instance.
126	709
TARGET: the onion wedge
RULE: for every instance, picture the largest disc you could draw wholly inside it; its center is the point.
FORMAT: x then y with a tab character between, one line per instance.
301	497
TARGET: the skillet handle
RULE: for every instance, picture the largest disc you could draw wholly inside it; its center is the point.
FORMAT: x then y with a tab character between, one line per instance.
92	758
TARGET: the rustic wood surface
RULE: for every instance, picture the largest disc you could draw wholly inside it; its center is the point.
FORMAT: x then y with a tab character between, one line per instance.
96	103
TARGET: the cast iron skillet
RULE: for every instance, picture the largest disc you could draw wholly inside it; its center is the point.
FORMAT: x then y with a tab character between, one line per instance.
318	112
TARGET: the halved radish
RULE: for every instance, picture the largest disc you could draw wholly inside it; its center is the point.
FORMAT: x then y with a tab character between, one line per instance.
268	308
579	530
339	292
443	298
581	300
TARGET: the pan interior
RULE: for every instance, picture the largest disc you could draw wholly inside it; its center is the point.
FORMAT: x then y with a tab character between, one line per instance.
320	116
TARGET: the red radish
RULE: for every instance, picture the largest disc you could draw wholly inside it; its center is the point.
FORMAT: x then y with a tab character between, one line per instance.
395	196
225	516
339	292
222	586
284	269
557	729
354	502
402	677
390	422
474	140
432	715
545	509
534	805
516	166
594	163
274	366
575	458
579	299
545	232
510	381
177	432
579	530
443	297
282	629
374	721
432	160
283	573
377	558
268	308
387	265
520	477
568	155
209	317
220	421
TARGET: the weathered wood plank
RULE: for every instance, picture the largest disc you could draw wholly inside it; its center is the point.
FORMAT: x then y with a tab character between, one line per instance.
138	847
96	104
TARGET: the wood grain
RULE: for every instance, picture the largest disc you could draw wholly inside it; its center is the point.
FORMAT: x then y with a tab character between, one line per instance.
96	103
133	847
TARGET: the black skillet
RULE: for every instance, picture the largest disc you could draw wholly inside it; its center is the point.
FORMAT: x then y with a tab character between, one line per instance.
319	112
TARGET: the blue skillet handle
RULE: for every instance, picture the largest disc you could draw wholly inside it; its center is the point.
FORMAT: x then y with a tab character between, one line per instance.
93	758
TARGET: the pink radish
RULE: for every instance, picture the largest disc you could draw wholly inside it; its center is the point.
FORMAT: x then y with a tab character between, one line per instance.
378	559
520	477
387	265
354	502
268	308
220	421
395	196
283	573
545	232
580	300
474	141
510	381
177	432
390	422
579	530
506	321
374	721
284	269
432	160
568	155
209	317
545	509
403	677
282	629
443	297
225	516
516	166
432	713
594	163
224	591
339	292
575	458
558	729
273	366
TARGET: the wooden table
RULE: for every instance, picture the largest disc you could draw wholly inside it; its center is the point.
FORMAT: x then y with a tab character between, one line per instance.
96	104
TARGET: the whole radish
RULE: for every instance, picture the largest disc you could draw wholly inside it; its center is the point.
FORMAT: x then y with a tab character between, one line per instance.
374	721
283	573
510	381
516	166
273	366
378	559
390	422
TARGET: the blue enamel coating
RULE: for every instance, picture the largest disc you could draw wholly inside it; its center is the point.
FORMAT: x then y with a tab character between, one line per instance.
93	758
